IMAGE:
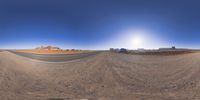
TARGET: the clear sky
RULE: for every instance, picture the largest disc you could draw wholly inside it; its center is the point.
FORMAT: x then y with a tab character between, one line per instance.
99	24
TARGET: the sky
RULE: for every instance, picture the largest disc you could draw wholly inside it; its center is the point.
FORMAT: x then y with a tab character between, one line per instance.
99	24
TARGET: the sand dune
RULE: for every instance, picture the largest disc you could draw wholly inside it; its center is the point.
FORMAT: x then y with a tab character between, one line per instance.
105	76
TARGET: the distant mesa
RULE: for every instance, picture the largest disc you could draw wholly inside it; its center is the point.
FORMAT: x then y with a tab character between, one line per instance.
48	48
51	50
54	48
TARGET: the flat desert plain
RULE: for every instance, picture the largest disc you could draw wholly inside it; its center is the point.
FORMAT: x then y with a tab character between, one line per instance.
102	76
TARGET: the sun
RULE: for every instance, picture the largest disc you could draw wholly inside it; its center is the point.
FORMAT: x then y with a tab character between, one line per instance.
137	41
137	38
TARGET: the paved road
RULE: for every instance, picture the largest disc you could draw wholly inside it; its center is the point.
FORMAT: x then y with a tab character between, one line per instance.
2	50
55	57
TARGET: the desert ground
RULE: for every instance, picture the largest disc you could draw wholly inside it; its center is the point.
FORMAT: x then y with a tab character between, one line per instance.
100	76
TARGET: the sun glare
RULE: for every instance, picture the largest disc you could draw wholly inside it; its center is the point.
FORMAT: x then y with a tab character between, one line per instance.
138	38
137	41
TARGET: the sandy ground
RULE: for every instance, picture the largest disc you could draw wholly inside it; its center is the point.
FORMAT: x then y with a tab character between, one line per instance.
105	76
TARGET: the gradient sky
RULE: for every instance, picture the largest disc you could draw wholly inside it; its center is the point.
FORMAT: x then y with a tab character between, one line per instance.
99	24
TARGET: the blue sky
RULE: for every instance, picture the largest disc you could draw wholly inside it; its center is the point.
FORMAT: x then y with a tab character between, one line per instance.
99	24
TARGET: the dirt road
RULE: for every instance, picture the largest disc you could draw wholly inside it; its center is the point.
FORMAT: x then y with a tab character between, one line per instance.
105	76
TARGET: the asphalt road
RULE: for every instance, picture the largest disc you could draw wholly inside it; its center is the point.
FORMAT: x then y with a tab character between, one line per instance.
55	57
2	50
